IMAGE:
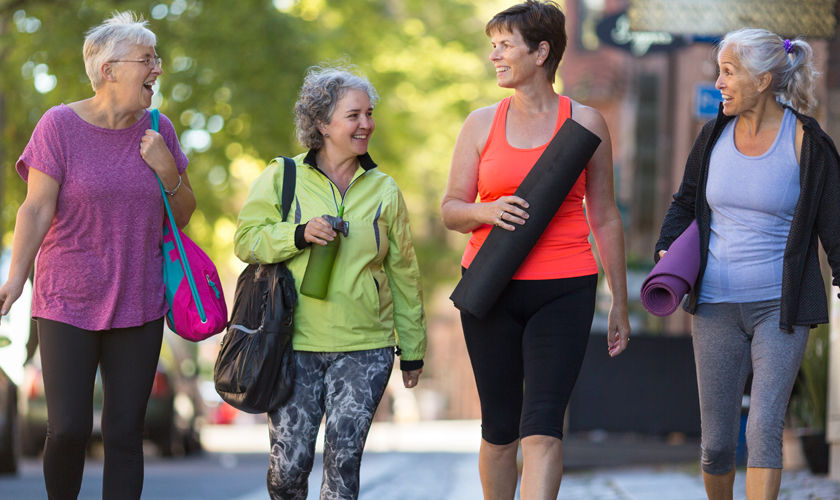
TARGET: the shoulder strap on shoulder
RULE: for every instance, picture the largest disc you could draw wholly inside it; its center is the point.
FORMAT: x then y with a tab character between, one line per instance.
289	178
155	119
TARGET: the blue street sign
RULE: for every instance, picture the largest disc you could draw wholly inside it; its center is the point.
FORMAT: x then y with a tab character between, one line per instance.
706	101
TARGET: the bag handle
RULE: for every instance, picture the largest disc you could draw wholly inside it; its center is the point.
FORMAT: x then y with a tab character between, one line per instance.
176	234
289	178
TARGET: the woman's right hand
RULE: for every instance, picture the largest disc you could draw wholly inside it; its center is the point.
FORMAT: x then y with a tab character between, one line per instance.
34	218
318	231
9	293
507	212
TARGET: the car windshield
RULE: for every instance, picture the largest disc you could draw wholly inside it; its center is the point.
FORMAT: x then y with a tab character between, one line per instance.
14	327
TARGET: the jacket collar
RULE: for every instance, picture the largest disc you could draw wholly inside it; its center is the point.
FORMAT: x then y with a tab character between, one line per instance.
365	161
811	125
808	122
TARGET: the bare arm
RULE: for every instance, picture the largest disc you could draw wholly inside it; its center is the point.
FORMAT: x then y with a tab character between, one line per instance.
459	209
33	221
605	223
156	153
183	202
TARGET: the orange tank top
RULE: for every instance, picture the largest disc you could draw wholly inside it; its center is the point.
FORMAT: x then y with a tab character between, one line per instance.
563	250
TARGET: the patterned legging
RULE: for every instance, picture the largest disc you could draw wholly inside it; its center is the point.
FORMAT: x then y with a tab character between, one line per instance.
348	386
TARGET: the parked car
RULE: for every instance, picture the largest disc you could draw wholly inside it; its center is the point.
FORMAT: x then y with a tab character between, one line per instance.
173	414
217	411
14	335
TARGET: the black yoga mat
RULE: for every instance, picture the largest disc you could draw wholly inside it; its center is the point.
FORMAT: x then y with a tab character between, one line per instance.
544	188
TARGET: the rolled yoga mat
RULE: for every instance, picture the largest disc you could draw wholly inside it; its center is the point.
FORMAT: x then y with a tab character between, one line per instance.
544	188
674	275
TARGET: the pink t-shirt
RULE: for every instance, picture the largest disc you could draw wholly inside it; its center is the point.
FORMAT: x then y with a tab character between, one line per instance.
100	265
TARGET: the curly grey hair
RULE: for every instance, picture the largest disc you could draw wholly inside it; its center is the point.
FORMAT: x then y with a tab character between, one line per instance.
322	88
112	40
793	74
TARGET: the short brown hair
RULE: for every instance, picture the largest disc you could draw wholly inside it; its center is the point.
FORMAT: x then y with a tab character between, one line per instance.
536	21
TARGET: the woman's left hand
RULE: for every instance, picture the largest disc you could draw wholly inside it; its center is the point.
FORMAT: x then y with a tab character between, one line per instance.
156	154
618	333
411	377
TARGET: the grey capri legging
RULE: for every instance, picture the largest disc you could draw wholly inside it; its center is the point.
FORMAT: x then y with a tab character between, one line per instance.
729	341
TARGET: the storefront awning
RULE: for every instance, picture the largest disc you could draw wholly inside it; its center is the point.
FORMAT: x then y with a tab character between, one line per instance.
788	18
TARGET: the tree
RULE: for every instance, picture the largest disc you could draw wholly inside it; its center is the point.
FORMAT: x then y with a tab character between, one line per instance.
231	76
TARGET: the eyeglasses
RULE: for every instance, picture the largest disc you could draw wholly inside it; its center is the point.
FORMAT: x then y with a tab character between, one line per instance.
150	62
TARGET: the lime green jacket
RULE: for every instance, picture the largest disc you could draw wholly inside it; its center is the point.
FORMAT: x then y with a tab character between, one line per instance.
375	285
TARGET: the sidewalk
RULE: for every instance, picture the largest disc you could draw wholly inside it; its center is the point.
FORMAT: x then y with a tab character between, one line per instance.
442	456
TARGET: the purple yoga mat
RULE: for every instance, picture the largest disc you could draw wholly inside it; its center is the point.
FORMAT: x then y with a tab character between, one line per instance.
674	275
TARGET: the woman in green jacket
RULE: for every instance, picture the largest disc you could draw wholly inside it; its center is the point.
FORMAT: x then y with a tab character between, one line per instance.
344	343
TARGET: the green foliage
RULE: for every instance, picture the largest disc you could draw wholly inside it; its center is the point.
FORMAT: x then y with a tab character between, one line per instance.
809	402
231	75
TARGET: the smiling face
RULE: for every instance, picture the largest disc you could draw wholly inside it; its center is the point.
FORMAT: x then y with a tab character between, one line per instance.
351	125
133	80
513	60
740	90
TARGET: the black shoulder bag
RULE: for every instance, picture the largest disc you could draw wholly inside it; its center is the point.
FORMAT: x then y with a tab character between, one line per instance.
255	369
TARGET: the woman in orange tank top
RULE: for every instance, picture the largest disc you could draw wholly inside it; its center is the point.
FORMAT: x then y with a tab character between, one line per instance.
535	337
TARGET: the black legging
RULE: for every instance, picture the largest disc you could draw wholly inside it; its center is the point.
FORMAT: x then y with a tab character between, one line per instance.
69	356
526	355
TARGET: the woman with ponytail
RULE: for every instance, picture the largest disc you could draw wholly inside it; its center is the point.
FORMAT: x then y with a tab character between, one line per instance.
763	183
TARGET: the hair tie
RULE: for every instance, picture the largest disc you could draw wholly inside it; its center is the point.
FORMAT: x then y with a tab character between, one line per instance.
788	46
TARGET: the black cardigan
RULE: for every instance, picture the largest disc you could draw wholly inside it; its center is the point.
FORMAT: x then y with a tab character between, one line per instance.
817	214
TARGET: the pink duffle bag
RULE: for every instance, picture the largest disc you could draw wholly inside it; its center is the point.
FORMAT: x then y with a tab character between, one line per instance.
197	308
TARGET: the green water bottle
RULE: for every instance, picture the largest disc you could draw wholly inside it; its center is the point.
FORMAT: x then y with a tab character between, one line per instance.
316	278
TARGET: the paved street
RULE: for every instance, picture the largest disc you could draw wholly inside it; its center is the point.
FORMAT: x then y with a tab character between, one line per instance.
433	461
411	476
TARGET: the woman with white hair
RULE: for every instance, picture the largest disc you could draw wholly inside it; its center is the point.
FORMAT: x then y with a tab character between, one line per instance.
763	183
94	210
344	343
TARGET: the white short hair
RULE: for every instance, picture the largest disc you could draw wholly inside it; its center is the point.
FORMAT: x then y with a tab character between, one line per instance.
111	40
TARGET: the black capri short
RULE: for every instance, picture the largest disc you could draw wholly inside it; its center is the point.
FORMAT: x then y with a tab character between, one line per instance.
526	355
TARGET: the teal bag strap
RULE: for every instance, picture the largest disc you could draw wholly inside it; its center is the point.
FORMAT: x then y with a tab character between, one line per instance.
155	119
184	262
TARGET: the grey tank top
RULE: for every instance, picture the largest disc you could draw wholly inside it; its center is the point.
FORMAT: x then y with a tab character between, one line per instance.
752	199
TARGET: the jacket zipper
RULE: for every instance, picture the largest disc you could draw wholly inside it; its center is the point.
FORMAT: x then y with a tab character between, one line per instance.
334	186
